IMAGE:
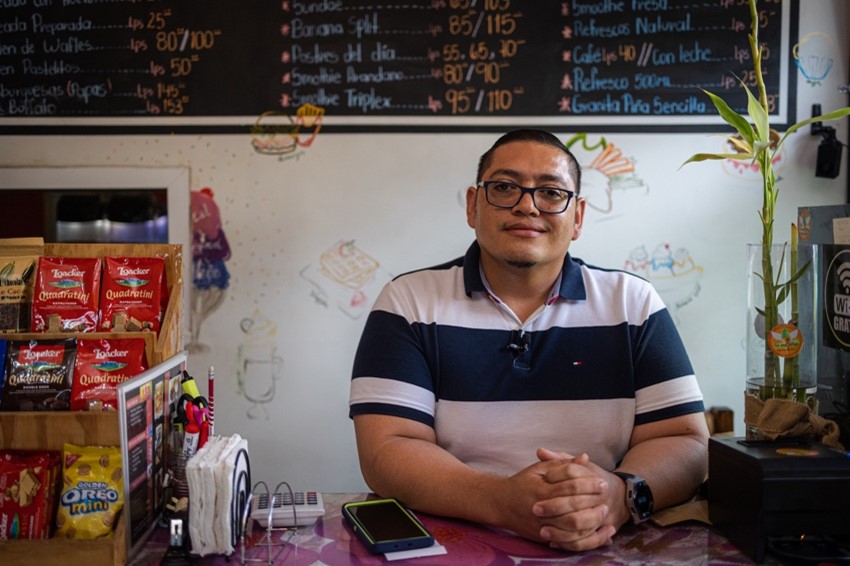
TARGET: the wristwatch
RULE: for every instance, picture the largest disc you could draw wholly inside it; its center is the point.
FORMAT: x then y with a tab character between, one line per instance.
638	497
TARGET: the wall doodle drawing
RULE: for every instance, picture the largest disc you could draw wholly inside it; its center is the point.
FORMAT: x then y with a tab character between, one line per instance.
604	169
346	277
673	273
748	171
814	57
209	274
259	367
277	133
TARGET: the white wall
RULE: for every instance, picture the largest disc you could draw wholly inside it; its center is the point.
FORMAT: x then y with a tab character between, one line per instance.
397	198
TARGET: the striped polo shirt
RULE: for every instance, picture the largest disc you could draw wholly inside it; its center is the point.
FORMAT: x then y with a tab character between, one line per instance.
601	356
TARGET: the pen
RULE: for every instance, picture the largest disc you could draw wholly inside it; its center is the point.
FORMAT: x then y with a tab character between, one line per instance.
210	397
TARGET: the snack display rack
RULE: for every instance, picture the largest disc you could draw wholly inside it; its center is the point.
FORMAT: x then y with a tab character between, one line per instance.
51	430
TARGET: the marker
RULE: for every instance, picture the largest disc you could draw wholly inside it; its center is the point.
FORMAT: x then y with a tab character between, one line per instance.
191	439
189	386
193	432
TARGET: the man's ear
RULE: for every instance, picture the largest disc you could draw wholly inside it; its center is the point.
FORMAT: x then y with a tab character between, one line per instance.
579	218
471	197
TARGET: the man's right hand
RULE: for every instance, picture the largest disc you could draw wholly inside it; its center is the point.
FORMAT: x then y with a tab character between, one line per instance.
561	500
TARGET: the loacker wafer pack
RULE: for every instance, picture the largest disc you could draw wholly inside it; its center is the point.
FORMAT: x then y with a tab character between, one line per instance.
133	293
66	295
27	488
38	375
101	365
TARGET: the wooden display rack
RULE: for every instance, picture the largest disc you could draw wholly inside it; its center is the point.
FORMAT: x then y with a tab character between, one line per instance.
51	430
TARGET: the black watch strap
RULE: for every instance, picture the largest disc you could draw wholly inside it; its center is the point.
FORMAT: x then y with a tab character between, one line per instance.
638	497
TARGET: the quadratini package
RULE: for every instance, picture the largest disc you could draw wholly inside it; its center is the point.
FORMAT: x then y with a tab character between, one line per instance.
133	293
39	374
102	364
66	294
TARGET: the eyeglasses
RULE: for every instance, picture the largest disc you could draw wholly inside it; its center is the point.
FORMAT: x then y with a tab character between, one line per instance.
548	200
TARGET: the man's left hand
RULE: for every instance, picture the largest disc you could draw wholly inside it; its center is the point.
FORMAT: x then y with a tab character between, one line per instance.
581	519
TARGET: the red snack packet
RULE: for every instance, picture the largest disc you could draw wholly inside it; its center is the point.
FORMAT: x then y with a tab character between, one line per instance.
132	293
27	486
66	294
101	365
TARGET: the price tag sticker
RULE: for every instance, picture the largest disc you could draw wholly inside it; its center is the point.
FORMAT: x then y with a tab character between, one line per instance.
841	230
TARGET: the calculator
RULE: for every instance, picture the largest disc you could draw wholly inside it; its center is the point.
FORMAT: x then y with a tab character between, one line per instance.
289	509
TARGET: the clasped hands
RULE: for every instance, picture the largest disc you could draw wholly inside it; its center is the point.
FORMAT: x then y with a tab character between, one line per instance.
567	501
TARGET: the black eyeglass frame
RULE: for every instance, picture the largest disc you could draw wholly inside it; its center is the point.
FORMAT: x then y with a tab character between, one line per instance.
522	192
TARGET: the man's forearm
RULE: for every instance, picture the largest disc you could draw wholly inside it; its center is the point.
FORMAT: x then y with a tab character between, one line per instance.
672	481
429	479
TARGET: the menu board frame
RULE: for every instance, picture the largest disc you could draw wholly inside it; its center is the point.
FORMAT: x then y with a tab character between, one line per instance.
288	69
145	404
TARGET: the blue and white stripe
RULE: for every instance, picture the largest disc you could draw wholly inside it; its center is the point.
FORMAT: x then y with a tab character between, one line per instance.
603	357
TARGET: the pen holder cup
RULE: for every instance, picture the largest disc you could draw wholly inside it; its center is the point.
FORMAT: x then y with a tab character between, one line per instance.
177	465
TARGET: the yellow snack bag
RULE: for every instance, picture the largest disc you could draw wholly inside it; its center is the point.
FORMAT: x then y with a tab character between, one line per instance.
92	492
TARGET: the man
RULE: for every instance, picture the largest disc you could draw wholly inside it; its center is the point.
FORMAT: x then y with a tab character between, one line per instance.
506	386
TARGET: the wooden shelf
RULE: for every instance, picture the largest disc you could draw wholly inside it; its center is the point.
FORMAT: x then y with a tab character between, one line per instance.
50	431
111	550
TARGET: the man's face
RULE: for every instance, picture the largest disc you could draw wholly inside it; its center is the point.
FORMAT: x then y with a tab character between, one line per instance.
522	237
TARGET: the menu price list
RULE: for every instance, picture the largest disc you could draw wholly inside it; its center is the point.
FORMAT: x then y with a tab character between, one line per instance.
132	58
136	58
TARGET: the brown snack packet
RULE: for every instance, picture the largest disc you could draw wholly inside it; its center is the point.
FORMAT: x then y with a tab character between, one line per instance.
18	261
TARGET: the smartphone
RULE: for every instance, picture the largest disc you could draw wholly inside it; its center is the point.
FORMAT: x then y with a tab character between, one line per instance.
385	525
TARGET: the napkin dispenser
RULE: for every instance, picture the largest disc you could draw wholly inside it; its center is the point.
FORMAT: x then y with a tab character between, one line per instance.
762	490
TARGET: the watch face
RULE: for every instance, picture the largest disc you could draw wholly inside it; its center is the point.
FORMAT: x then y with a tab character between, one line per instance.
642	499
638	496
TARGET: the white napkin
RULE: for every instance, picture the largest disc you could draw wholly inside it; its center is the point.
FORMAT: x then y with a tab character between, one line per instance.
210	474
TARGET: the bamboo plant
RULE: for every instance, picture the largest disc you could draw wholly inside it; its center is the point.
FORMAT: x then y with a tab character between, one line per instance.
753	142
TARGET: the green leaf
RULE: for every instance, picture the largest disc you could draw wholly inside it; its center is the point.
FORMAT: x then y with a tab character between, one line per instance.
800	272
759	116
716	156
828	117
732	118
781	295
741	145
761	146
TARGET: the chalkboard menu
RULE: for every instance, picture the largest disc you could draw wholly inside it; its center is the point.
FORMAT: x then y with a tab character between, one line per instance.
224	65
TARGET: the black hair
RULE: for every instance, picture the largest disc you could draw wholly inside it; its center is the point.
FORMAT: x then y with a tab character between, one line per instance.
537	136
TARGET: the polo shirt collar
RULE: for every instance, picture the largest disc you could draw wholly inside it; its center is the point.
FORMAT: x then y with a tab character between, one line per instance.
571	286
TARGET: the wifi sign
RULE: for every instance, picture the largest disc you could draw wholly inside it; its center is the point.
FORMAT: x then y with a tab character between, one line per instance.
843	272
836	300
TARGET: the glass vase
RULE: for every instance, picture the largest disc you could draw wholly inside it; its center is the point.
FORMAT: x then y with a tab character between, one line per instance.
781	323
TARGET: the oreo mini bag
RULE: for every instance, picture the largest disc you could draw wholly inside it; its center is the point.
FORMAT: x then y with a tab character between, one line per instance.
92	492
132	294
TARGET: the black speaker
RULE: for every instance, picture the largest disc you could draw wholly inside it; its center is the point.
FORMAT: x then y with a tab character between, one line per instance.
829	160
